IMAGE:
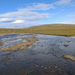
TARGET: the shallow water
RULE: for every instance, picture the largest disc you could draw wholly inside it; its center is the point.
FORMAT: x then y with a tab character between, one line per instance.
32	61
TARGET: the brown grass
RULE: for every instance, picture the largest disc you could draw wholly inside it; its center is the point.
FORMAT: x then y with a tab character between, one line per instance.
49	29
20	46
68	57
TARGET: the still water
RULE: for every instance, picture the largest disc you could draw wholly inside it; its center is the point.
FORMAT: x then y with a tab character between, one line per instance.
44	57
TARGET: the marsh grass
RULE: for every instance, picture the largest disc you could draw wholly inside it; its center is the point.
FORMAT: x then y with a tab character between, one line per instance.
49	29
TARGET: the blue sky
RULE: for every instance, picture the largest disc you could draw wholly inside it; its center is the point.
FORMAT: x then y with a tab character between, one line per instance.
26	13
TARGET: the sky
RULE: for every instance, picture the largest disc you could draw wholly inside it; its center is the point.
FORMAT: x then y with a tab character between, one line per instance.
27	13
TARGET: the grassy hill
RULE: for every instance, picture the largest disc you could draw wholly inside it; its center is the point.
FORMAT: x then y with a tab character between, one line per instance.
50	29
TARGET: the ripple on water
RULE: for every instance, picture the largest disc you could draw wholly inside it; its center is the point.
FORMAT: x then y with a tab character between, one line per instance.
44	57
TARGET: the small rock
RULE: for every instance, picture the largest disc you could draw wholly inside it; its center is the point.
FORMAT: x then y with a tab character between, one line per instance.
65	62
56	66
1	43
49	67
44	53
36	65
42	66
59	69
50	63
8	61
68	41
45	67
66	45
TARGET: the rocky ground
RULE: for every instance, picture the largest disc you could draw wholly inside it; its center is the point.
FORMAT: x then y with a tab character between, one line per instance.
36	54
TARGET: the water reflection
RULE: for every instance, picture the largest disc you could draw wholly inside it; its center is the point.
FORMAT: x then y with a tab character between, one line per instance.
41	58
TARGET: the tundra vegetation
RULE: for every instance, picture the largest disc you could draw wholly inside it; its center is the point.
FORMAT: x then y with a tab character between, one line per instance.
21	46
49	29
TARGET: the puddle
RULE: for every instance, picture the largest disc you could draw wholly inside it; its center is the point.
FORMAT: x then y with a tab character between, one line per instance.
43	57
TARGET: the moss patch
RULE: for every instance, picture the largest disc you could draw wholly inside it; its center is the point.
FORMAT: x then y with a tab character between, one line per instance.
68	57
1	43
20	46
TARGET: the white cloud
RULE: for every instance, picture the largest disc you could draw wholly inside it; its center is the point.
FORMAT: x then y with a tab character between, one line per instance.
19	14
6	20
37	17
35	6
26	15
65	2
18	21
23	15
19	25
38	6
69	22
71	15
28	11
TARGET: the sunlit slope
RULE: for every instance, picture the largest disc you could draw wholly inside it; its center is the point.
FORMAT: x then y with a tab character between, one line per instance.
54	29
51	29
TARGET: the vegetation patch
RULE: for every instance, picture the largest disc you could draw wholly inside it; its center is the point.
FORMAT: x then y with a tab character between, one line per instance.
1	43
68	57
49	29
20	46
66	45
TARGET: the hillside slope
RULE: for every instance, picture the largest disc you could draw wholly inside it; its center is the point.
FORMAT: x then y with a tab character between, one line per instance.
50	29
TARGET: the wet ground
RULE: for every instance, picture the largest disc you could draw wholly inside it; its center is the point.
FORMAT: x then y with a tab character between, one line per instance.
44	57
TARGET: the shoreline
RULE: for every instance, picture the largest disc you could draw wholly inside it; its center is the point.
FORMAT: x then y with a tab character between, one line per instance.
38	33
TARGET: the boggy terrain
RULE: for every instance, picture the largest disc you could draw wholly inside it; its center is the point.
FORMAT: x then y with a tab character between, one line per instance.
36	54
21	46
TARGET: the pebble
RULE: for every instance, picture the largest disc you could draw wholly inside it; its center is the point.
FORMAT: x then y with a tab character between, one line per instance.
56	66
65	62
59	69
44	53
42	66
66	45
68	41
50	63
49	67
8	61
45	67
36	65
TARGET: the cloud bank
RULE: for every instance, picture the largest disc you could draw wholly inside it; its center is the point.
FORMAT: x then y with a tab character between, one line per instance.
71	15
26	16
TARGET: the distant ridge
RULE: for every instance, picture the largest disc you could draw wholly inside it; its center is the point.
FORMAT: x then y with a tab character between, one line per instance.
57	24
48	29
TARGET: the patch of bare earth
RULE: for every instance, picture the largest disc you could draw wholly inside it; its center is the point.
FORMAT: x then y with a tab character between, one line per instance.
3	34
20	46
35	39
68	57
1	43
66	45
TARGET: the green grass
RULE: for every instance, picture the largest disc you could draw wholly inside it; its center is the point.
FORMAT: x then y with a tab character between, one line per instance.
49	29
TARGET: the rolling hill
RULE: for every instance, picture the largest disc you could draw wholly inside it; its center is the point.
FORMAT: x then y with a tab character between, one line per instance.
49	29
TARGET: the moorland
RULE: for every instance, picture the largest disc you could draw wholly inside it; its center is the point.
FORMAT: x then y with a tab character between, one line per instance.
49	29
